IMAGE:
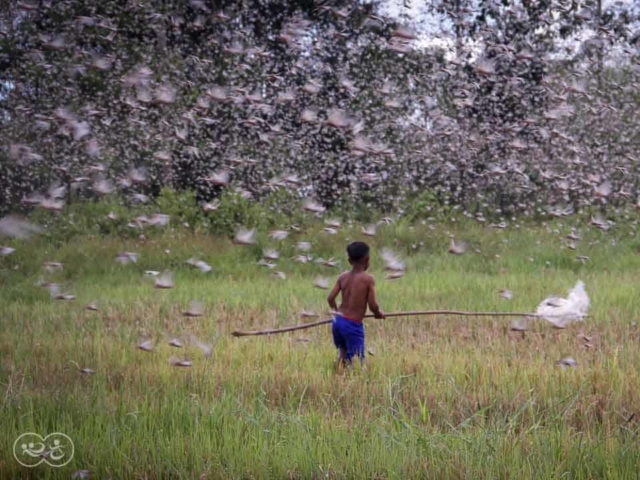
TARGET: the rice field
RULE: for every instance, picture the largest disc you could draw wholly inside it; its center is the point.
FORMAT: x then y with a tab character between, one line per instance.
437	397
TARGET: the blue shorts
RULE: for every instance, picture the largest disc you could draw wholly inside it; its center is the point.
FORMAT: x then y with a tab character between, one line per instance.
348	335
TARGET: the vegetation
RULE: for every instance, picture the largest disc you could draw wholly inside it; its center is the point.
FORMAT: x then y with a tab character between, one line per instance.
519	107
440	398
488	146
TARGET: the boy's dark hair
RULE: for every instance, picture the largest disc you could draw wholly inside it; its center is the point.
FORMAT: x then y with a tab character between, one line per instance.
357	251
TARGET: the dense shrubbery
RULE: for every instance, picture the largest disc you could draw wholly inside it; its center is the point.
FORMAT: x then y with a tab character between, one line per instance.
115	216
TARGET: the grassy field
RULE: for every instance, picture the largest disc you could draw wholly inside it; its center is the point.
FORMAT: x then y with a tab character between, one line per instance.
440	398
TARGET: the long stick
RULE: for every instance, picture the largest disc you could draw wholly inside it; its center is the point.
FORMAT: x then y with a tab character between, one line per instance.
302	326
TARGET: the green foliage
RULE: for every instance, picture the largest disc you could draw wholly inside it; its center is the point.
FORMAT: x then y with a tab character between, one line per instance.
181	207
281	206
426	205
88	217
234	211
92	216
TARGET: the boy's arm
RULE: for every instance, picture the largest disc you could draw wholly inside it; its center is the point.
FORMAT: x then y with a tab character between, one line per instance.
373	303
331	299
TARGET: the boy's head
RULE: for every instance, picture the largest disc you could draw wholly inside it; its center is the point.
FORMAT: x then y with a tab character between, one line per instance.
358	254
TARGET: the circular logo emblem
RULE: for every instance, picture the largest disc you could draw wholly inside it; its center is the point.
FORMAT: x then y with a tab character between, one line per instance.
56	449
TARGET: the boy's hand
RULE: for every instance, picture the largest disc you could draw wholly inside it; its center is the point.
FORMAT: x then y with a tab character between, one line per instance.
379	314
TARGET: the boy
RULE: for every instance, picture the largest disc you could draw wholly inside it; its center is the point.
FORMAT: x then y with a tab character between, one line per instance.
358	291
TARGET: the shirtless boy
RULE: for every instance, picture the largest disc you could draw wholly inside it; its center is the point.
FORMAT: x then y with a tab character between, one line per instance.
358	291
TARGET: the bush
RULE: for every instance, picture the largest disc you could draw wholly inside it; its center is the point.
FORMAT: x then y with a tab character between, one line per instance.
425	205
279	209
88	217
181	206
234	211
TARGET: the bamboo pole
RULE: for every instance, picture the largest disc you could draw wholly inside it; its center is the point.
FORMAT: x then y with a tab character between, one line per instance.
302	326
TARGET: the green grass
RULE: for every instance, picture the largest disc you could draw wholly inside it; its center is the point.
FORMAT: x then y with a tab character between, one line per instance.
441	398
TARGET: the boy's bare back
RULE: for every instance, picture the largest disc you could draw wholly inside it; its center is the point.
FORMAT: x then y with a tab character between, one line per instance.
358	292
